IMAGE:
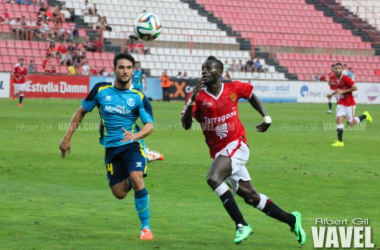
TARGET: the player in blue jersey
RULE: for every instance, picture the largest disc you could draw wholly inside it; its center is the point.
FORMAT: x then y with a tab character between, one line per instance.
125	158
138	78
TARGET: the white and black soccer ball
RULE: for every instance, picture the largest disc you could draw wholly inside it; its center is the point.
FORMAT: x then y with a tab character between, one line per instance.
147	26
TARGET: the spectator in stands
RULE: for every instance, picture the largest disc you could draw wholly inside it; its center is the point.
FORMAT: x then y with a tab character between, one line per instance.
137	47
24	2
76	57
98	22
53	70
16	27
23	27
85	8
47	68
322	78
88	45
103	72
66	59
93	72
249	65
98	44
57	15
235	67
104	24
351	74
86	68
57	31
71	33
46	61
227	66
345	71
227	76
40	31
61	50
31	67
315	77
258	67
241	66
93	11
47	30
78	69
4	18
71	47
30	29
66	17
179	75
185	76
71	70
52	50
42	11
165	85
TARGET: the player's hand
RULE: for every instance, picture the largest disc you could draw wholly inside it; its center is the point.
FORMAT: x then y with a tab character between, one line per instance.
329	96
196	90
262	127
65	147
128	136
339	91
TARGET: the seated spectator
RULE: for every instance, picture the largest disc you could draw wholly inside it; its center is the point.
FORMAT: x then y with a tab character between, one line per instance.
78	69
40	31
62	48
322	78
46	61
185	76
98	45
71	33
66	14
249	65
104	24
71	47
24	2
16	27
258	67
235	67
241	66
93	11
30	29
103	72
52	51
315	77
88	46
66	59
57	15
179	75
4	18
351	74
227	66
86	68
42	11
85	8
98	23
23	27
46	29
53	70
227	76
93	72
71	70
31	67
137	47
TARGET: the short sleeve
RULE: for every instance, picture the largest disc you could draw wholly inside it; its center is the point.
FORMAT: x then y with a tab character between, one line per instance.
90	101
244	90
349	82
146	111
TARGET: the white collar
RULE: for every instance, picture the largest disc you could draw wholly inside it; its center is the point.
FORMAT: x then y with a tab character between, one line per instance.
215	97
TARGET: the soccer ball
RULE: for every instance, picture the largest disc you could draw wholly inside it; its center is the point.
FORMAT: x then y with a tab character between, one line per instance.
147	26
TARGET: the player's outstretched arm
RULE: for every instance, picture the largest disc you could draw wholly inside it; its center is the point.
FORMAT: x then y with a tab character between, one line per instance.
78	116
187	116
256	104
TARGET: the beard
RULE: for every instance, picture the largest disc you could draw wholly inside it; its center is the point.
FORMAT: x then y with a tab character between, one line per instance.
121	81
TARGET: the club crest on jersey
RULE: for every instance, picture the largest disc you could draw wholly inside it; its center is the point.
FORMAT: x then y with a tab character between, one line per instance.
207	104
131	102
233	97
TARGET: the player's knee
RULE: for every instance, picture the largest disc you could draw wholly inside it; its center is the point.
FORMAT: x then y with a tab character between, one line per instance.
252	199
119	194
213	181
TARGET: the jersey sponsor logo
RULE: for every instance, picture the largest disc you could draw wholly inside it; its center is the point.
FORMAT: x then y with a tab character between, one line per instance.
118	109
207	104
233	97
221	130
222	118
131	102
108	98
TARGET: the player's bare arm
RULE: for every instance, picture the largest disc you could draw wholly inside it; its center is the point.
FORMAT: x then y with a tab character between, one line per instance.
187	117
146	130
345	91
256	104
78	116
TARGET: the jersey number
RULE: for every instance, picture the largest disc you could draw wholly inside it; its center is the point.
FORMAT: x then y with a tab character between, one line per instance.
110	168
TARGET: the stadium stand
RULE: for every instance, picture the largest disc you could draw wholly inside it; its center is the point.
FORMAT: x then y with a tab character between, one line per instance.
367	10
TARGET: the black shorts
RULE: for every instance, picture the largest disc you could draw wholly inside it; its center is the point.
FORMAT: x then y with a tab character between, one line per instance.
121	161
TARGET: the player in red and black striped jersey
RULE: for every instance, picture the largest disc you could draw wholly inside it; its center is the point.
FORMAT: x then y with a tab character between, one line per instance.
333	81
19	79
215	106
346	104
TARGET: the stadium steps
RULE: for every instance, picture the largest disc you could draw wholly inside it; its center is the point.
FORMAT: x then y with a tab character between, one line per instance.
245	44
347	24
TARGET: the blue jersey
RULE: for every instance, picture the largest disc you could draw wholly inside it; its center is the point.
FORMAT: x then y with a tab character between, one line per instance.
137	79
118	109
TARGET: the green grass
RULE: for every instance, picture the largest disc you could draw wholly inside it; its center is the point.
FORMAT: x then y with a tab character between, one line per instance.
50	203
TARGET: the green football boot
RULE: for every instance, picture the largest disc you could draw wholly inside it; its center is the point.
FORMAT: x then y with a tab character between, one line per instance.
298	230
242	233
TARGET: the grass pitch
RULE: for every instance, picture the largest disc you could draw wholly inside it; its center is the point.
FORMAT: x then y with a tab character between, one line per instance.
50	203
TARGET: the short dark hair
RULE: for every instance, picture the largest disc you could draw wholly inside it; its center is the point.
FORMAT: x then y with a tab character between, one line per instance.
123	56
218	62
332	65
339	64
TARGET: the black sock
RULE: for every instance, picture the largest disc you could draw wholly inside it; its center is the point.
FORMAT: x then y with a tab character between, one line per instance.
20	99
277	213
362	117
230	205
340	134
330	105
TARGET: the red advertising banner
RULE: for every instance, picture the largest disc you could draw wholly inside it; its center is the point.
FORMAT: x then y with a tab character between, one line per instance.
51	86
